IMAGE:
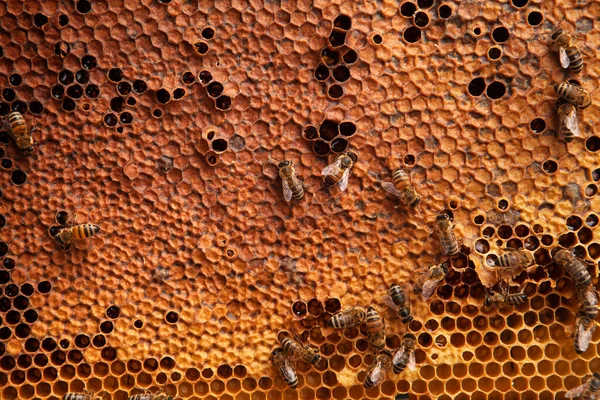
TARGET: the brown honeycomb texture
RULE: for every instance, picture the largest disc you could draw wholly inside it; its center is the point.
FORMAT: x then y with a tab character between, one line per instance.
163	122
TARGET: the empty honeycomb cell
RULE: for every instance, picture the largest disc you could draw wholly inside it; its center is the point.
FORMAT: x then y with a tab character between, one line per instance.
567	240
591	190
592	144
535	18
163	96
476	87
40	360
201	47
335	91
445	11
337	37
496	90
342	21
299	308
321	148
9	94
421	19
223	102
124	88
15	80
412	34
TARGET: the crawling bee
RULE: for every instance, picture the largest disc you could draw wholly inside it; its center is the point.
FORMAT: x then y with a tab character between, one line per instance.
378	371
398	301
570	56
569	125
376	328
514	259
17	127
150	396
584	327
405	356
575	268
292	186
402	188
347	318
339	171
298	351
506	299
589	390
574	94
589	302
285	366
448	241
66	235
428	281
81	396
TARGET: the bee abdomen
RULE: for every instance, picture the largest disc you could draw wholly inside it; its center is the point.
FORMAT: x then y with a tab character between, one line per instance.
397	295
297	189
368	382
144	396
401	364
17	123
85	230
579	274
576	59
289	347
292	381
517	299
76	396
398	177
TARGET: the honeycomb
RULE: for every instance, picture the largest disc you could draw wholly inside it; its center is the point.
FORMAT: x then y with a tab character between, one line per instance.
163	122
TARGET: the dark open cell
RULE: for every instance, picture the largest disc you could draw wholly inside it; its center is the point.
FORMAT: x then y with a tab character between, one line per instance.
223	102
115	74
567	240
592	144
412	34
19	106
476	87
44	287
535	18
125	118
32	345
328	130
321	148
6	163
113	312
117	104
163	96
9	94
321	73
99	340
92	91
408	9
591	190
63	20
61	49
421	19
519	3
62	217
208	33
585	235
167	363
75	357
4	110
591	220
89	62
131	101
299	308
64	344
500	34
347	128
205	77
106	327
496	90
330	57
339	145
424	4
49	344
343	22
27	289
550	166
11	290
310	133
124	88
30	316
110	119
40	20
337	38
84	6
82	76
445	11
350	56
108	354
219	145
3	249
15	80
335	91
212	160
503	204
341	73
201	48
377	39
75	91
409	159
188	78
5	302
214	89
538	125
494	53
139	86
138	323
120	129
172	317
18	177
12	317
157	113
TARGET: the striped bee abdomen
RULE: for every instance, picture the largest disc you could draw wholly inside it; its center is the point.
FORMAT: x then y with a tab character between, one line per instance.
85	231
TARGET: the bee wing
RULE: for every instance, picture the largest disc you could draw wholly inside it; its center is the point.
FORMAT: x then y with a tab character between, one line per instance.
571	122
287	192
398	355
377	374
332	168
590	296
287	370
446	242
564	58
429	288
390	188
584	336
412	362
344	181
387	299
576	392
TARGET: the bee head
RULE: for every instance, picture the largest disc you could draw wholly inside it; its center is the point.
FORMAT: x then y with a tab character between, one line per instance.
353	156
409	336
442	217
315	359
597	375
26	151
284	163
404	312
488	300
416	202
557	33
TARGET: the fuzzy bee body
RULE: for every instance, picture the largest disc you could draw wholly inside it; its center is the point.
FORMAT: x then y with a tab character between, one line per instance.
584	328
402	188
150	396
574	94
298	351
293	188
589	302
79	396
405	356
570	56
569	124
67	235
575	268
400	302
514	259
347	318
20	132
588	391
511	300
339	171
448	241
378	371
285	366
376	328
427	282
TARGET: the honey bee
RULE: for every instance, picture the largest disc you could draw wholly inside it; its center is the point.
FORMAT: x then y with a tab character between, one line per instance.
66	235
285	366
339	171
347	318
574	94
575	268
589	302
570	56
81	396
398	301
292	186
405	356
569	125
376	328
506	299
514	259
298	351
150	396
428	281
584	327
589	390
402	188
378	371
17	127
448	241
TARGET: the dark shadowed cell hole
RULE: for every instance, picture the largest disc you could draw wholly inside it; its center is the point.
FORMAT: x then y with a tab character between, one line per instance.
328	130
445	11
591	220
139	86
519	3
321	73
164	1
64	344
110	119
9	94
106	327
82	76
503	204
208	33
115	74
535	18
476	86
18	177
138	323
201	48
408	9
421	19
214	89
131	101
5	110
477	31
11	290
188	78
49	344
339	145
40	20
5	303
377	39
125	118
6	163
347	128
341	73
172	317
330	57
82	341
124	88
299	308
84	6
479	219
75	91
550	166
223	102
538	125
412	34
337	38
19	106
89	62
593	144
120	129
15	80
92	91
205	77
212	160
500	34
219	145
321	148
350	57
109	354
310	133
3	250
1	52
494	53
163	96
496	90
409	159
343	22
27	289
30	316
591	190
113	312
567	240
335	91
32	345
12	317
157	113
424	4
63	20
44	287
